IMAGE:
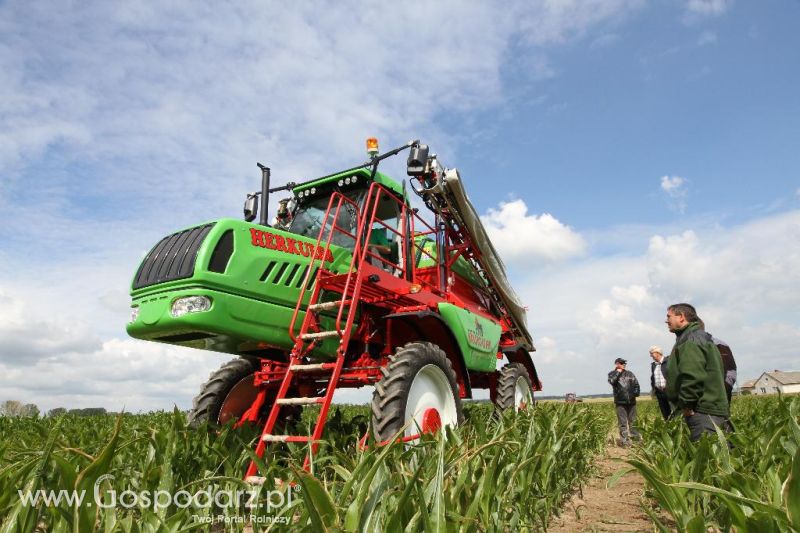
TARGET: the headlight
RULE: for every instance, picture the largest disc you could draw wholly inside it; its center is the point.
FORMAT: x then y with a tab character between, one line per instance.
341	182
347	181
190	304
353	179
313	190
134	314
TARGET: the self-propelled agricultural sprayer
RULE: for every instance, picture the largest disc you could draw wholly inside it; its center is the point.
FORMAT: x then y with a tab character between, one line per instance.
349	286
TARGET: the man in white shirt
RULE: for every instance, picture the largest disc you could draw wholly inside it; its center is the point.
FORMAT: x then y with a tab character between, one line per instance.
658	381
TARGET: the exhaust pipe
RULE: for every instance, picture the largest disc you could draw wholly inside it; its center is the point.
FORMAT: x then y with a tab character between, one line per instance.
264	219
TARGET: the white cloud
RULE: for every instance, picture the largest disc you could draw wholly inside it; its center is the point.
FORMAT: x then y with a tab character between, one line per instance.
176	85
526	239
149	107
556	21
615	324
707	37
119	374
40	329
676	189
167	88
742	279
672	184
605	40
548	351
633	294
707	8
752	264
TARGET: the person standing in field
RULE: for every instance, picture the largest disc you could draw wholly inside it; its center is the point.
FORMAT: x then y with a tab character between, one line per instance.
728	362
728	365
695	383
658	381
626	390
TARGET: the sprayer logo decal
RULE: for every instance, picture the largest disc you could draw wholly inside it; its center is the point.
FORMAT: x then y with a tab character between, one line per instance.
270	241
476	337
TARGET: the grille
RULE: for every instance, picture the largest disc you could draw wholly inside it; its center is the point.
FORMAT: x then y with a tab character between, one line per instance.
172	258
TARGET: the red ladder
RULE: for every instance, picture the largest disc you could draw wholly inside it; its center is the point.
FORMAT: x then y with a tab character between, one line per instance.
310	335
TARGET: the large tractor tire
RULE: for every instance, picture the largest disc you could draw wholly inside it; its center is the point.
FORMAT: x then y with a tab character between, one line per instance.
418	392
230	387
514	388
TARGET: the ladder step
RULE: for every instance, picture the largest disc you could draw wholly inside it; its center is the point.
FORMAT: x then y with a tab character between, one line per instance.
319	335
328	305
312	368
274	438
285	438
299	401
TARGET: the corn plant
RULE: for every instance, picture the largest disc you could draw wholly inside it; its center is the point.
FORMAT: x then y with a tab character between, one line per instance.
510	473
490	474
749	480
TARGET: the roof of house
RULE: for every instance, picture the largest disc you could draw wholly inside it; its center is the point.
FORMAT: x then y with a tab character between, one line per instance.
749	384
785	378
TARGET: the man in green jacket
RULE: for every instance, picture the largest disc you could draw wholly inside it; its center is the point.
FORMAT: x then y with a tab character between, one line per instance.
695	379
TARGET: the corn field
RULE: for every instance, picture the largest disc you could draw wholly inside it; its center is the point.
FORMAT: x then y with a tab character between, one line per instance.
746	481
490	474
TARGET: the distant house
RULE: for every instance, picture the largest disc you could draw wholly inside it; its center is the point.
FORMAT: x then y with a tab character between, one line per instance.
748	387
777	381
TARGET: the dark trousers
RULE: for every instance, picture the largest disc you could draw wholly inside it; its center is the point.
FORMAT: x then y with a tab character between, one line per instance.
626	416
700	423
663	404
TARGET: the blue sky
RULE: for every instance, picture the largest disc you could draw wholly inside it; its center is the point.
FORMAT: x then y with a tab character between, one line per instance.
712	100
624	154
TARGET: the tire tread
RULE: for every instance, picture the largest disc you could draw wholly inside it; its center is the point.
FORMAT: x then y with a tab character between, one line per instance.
206	405
390	395
506	385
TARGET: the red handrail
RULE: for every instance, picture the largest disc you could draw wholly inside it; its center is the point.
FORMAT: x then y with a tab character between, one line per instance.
337	198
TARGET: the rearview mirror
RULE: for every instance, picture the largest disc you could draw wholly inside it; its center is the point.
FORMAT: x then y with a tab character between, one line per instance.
251	207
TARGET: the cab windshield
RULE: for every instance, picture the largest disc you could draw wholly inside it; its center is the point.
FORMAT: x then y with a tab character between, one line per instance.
308	218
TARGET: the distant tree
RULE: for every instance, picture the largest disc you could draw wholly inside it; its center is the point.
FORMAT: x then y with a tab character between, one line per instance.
29	409
88	411
11	408
16	408
57	411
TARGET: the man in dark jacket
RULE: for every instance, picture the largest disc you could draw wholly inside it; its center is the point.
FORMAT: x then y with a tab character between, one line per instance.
626	389
728	362
695	383
728	365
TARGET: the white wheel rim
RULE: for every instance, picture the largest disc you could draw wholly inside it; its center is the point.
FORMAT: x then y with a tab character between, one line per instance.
430	389
522	394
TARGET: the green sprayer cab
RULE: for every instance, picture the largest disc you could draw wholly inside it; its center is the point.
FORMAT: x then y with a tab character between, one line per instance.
232	286
348	286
